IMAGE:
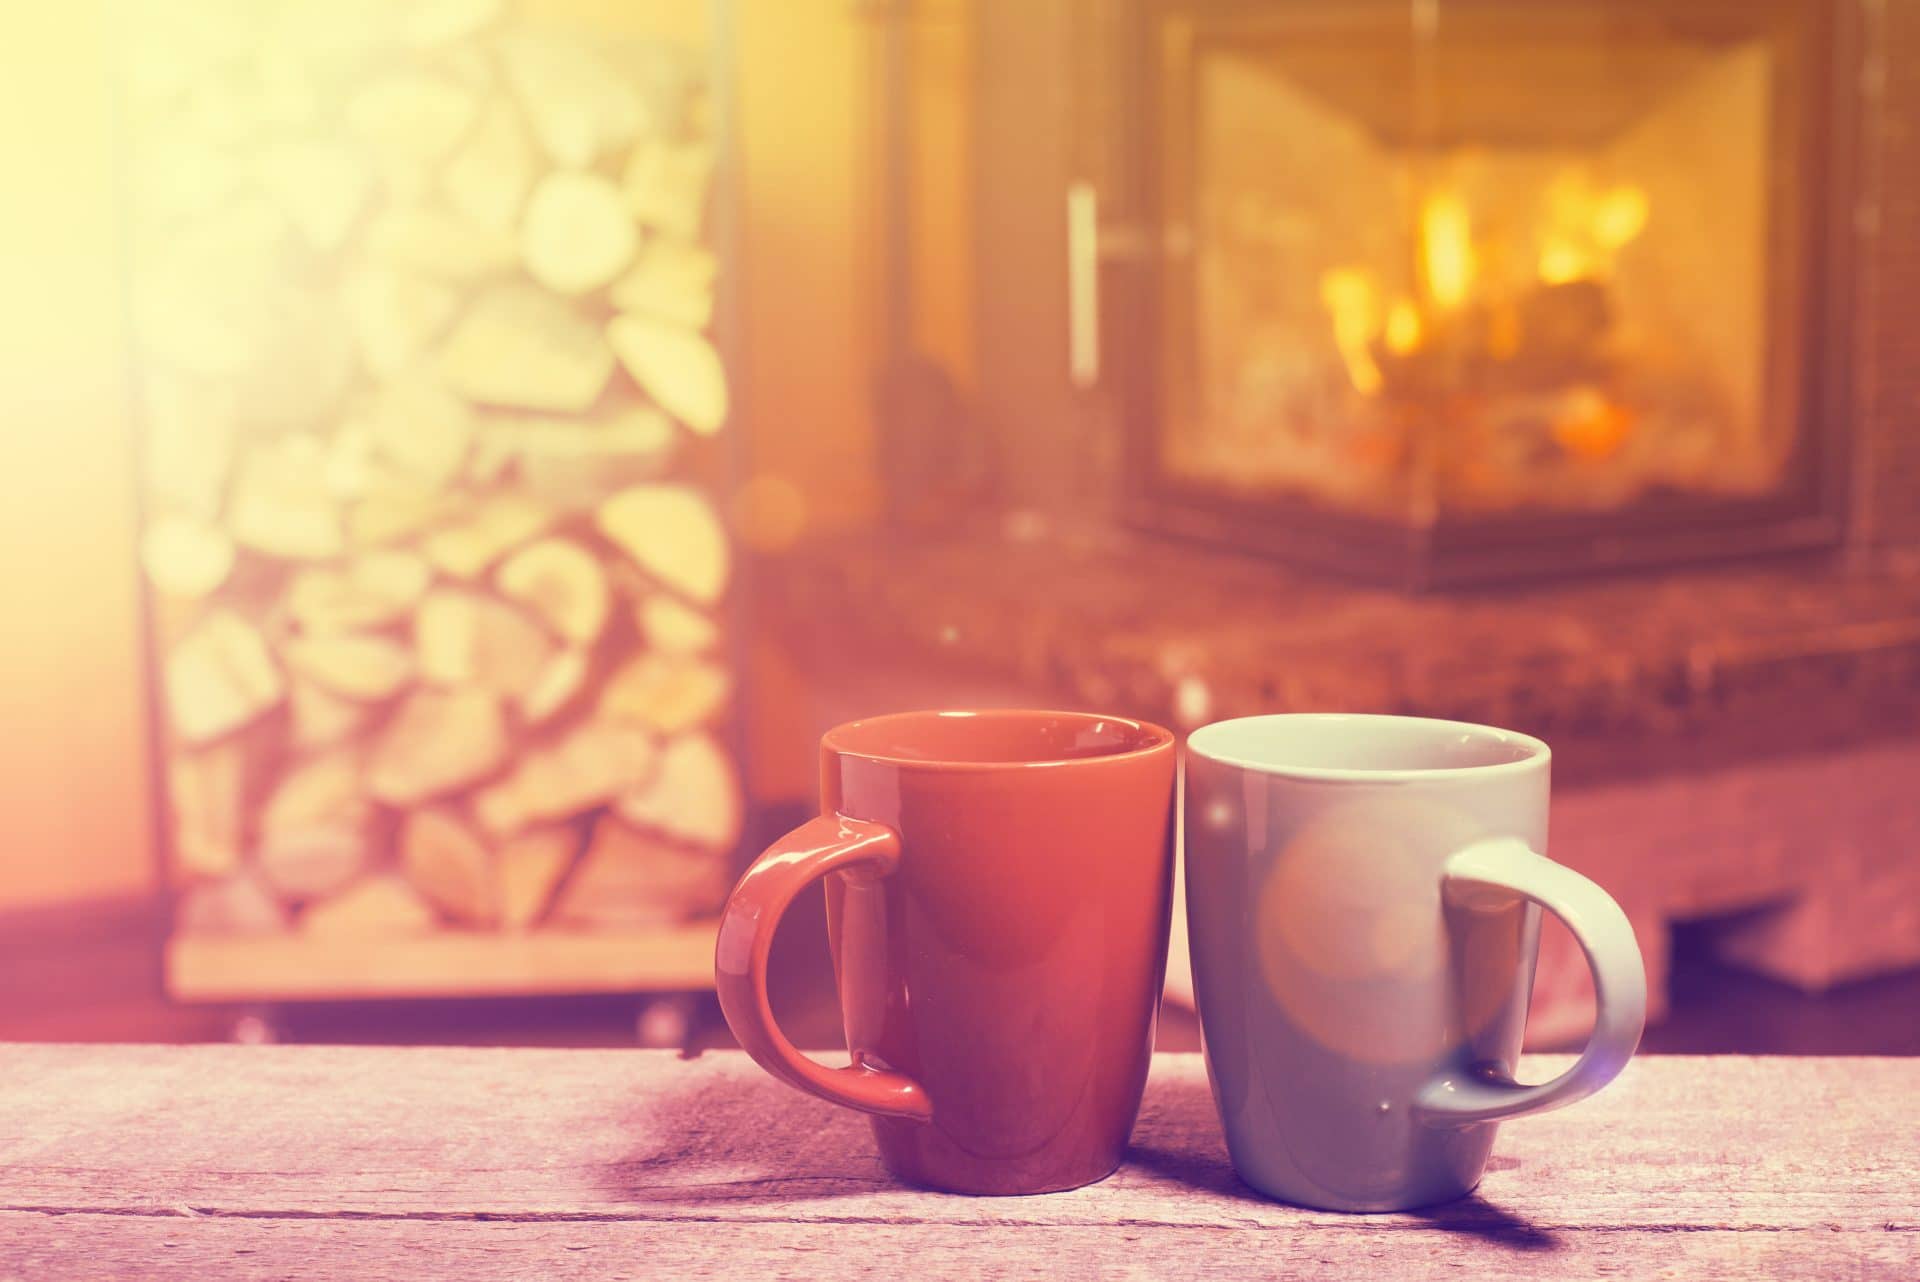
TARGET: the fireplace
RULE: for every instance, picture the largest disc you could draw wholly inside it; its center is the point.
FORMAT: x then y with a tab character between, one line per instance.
1443	291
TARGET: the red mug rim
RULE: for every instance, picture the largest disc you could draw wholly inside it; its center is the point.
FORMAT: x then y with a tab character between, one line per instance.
867	738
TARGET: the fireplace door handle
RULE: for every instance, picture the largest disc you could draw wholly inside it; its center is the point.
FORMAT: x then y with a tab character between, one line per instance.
1083	285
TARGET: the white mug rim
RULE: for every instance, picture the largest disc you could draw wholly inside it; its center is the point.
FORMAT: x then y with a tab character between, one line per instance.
1537	754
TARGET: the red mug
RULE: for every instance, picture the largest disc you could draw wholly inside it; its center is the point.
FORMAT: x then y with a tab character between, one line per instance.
998	885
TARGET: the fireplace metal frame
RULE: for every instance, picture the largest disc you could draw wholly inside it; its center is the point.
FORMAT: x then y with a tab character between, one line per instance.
1806	516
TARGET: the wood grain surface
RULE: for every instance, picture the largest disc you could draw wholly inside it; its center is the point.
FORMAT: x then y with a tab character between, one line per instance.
314	1162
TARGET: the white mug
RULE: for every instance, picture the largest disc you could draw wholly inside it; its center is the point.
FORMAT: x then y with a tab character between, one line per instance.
1363	902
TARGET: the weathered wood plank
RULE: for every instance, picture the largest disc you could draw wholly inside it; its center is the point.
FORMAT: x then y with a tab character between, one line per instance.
1680	1142
195	1250
241	968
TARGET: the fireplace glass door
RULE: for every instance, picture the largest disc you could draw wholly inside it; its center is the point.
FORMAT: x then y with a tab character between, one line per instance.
1456	266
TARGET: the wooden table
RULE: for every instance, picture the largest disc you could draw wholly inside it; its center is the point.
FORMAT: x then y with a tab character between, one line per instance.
315	1162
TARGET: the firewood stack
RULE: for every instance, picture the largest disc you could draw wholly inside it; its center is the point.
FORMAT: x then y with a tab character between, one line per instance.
432	426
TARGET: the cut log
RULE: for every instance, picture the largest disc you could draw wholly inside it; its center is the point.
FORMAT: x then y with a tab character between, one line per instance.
185	559
530	866
522	348
422	429
562	584
437	22
302	369
371	591
557	686
219	678
577	235
360	666
488	178
666	186
672	281
627	878
672	626
575	464
466	548
324	790
468	640
281	506
319	718
313	828
394	510
579	107
667	694
312	862
379	905
671	532
238	905
428	242
206	791
395	316
410	121
438	743
693	797
586	768
351	469
450	868
321	185
189	434
677	367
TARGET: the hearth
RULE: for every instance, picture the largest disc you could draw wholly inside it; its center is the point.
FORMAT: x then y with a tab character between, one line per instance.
1451	290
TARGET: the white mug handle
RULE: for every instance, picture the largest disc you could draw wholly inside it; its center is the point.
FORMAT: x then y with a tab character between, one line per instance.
1490	875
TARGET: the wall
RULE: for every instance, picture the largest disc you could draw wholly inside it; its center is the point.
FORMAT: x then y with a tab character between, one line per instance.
74	817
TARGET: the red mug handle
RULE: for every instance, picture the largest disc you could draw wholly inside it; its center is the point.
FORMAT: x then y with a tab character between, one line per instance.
831	843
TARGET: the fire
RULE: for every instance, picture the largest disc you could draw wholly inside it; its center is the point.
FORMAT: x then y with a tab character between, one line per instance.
1446	240
1349	296
1620	216
1403	328
1561	261
1583	228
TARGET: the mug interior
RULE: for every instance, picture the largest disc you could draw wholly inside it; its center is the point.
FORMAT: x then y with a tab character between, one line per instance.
1327	745
994	737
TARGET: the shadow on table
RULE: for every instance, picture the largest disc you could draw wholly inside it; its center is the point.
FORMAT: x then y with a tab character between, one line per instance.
718	1144
1179	1140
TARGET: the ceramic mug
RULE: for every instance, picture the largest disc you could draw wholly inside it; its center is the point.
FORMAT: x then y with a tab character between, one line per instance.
1363	901
998	888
